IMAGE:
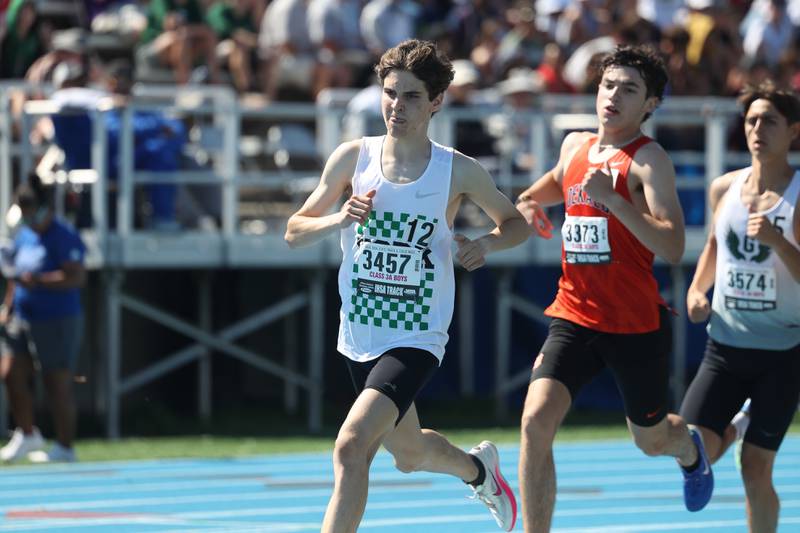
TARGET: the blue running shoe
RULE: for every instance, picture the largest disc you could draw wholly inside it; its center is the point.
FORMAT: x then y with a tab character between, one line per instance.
698	485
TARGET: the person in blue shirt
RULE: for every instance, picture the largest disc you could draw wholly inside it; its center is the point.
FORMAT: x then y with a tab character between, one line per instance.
157	146
43	324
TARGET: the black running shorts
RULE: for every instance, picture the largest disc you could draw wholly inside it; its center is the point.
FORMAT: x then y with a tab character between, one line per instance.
399	374
574	355
728	376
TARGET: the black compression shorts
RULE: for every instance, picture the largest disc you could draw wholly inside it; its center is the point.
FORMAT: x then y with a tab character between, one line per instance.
574	355
399	374
728	376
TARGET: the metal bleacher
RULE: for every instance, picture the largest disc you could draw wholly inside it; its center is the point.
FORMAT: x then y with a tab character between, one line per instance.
250	235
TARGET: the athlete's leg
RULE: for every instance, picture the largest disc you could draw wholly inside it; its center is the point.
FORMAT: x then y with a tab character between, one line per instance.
17	371
564	364
546	405
773	406
370	419
714	396
668	437
762	500
640	364
416	449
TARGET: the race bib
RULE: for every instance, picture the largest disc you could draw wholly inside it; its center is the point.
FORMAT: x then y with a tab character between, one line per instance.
585	240
749	289
390	271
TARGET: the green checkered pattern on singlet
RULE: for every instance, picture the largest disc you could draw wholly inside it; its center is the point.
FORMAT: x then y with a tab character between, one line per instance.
382	311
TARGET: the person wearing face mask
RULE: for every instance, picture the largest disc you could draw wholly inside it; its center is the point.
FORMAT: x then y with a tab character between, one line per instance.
43	324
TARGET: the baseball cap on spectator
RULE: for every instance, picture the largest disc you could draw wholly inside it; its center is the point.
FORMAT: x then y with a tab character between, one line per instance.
699	4
550	7
71	40
521	80
465	73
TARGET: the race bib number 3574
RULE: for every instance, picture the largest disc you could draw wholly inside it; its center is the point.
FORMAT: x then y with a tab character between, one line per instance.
749	289
390	271
585	240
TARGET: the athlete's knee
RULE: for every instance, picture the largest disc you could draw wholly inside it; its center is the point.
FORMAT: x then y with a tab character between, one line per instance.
350	450
651	445
408	460
756	472
538	428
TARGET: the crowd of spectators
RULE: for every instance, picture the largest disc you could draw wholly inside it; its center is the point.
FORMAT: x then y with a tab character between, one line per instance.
292	49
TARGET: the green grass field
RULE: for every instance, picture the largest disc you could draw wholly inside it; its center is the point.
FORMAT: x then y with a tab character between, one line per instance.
579	426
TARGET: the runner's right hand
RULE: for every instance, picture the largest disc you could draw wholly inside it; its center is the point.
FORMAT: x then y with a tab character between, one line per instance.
357	209
698	306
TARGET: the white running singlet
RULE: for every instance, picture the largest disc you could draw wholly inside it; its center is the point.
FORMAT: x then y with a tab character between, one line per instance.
396	281
756	301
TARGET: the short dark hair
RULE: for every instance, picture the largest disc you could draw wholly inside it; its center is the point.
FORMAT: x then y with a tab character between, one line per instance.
421	58
33	193
786	102
646	61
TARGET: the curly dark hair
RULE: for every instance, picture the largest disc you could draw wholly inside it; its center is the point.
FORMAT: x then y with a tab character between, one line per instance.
786	102
647	61
421	58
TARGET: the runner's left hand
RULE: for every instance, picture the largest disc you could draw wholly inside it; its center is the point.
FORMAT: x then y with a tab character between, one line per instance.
759	227
471	254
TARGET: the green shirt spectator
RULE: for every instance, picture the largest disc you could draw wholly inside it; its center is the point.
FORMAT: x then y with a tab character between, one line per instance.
168	15
225	20
21	45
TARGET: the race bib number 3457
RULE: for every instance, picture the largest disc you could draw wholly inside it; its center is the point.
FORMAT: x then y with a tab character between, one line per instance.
585	240
391	271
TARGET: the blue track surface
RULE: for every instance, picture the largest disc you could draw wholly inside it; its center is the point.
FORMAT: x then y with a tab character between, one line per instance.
607	487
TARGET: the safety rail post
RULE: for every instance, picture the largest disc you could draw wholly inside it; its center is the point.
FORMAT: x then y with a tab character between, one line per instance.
6	133
230	120
679	335
502	341
715	149
125	176
100	165
466	333
540	135
316	362
25	152
113	340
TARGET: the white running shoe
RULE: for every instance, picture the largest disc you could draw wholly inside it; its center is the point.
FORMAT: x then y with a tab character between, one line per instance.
21	445
495	492
56	454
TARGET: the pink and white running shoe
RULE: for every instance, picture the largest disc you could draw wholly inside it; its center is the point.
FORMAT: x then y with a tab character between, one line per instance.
495	492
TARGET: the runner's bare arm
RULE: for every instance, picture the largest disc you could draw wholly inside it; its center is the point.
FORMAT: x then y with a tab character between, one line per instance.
546	190
311	223
759	227
662	229
472	181
697	303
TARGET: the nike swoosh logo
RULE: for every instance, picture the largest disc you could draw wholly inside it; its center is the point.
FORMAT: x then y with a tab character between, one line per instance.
421	195
499	491
615	163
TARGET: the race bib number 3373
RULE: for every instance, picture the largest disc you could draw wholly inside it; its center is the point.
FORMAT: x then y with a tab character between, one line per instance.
389	271
585	240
